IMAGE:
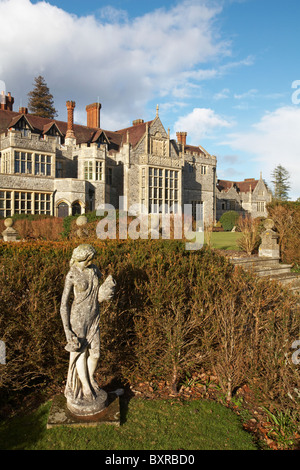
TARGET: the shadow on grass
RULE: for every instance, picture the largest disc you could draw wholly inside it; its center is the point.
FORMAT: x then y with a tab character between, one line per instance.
116	384
24	431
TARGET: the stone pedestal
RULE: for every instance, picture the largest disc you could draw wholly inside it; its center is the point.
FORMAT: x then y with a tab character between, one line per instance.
86	407
60	415
269	247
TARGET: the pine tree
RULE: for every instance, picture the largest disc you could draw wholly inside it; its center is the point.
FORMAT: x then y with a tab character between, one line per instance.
40	100
281	183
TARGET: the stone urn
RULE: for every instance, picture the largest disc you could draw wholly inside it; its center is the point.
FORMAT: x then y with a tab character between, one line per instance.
9	234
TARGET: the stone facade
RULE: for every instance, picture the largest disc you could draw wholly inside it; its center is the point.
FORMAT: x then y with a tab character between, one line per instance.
61	168
246	197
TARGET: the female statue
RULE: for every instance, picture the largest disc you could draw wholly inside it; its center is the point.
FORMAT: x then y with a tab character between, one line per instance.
81	326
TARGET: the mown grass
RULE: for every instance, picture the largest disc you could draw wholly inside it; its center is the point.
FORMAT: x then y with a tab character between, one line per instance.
146	425
225	240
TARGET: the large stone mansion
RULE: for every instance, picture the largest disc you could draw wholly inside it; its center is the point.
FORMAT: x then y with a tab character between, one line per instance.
61	168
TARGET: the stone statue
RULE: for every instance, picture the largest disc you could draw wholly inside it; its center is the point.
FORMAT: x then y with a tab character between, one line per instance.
81	326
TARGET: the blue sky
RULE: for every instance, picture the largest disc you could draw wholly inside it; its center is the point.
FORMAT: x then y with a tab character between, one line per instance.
221	70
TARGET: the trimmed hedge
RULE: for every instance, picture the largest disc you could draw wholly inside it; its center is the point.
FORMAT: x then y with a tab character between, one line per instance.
174	311
228	220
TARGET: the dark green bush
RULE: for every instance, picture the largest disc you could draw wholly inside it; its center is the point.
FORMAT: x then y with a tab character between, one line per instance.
229	220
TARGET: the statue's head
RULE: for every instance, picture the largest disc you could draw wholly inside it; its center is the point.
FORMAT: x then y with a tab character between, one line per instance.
83	254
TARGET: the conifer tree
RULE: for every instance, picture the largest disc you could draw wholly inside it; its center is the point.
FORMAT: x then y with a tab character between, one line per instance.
281	183
40	100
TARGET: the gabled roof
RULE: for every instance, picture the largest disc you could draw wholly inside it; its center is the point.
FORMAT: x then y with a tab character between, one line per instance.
49	126
42	125
241	186
18	118
5	119
135	133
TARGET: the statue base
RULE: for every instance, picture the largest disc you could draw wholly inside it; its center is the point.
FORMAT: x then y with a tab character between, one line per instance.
60	415
83	407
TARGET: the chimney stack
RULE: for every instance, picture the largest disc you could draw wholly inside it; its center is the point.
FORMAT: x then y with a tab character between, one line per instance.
181	137
23	110
70	128
6	102
137	121
93	115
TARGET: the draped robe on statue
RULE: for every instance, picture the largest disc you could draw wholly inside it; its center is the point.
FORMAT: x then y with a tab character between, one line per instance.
84	320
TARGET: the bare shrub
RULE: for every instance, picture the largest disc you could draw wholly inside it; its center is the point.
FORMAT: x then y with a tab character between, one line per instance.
230	354
208	230
250	238
287	222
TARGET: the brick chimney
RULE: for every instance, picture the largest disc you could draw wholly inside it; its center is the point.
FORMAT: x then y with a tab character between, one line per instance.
6	102
181	137
137	121
93	115
70	128
23	110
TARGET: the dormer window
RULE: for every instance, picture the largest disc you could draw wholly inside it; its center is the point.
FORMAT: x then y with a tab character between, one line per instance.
53	131
23	127
100	139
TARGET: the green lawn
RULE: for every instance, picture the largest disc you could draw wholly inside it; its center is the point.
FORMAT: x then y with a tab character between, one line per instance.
225	240
147	425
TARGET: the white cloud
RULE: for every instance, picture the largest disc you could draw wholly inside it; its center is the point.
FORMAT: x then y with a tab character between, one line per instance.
247	94
112	15
122	61
200	74
200	123
274	140
222	95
